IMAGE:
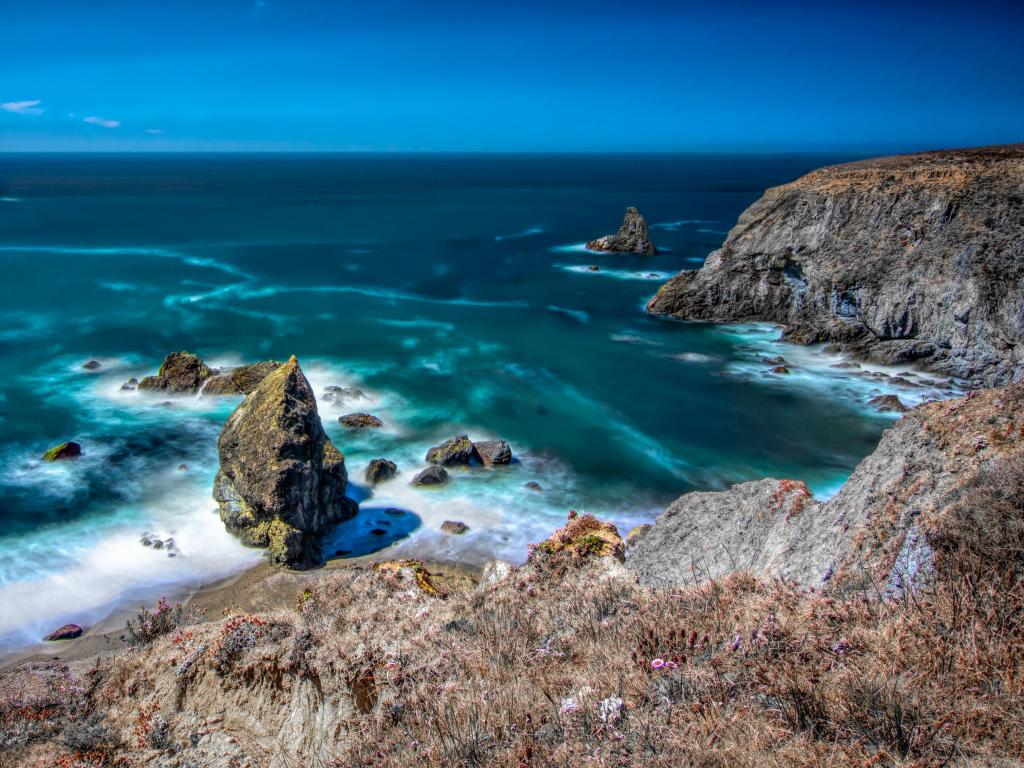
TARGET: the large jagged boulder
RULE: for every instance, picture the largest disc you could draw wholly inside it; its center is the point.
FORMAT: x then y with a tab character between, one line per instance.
874	533
181	372
632	237
281	484
456	451
899	259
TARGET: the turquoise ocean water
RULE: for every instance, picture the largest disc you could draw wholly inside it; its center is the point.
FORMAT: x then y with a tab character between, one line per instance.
452	289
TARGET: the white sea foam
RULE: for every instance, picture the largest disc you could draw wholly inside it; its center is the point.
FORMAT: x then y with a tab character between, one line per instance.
10	199
617	274
519	235
674	225
572	248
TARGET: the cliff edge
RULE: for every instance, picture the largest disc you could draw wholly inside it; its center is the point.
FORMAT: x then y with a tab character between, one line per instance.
908	258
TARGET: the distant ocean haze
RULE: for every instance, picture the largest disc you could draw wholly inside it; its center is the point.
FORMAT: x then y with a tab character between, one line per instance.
453	290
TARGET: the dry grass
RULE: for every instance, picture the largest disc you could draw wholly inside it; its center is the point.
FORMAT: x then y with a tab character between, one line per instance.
568	662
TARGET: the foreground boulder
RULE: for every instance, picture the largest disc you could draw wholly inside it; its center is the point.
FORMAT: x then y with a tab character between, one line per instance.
632	237
431	476
878	530
899	259
281	484
180	372
68	450
360	421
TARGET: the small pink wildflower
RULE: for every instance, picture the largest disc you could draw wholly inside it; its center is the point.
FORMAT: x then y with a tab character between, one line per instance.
657	663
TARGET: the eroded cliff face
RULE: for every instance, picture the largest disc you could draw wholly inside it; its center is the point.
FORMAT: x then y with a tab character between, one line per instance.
915	257
880	527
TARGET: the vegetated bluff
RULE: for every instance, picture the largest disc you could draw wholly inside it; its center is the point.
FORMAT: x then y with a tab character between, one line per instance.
908	258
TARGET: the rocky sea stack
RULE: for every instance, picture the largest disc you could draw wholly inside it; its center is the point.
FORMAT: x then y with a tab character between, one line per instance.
909	258
281	483
186	373
632	237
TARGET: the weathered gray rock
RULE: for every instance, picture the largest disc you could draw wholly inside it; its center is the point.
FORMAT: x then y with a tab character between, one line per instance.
915	258
493	451
431	476
92	365
281	483
180	372
888	404
379	470
494	572
456	527
360	421
456	451
632	237
775	528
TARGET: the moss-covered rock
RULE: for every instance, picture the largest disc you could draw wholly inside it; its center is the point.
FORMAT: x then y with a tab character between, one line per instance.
458	450
68	450
180	372
281	484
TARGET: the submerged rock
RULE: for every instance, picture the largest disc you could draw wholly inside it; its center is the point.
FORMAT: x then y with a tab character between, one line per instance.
533	485
379	470
632	237
888	404
431	476
360	421
456	527
180	372
68	450
92	365
897	259
493	451
67	632
780	369
281	484
456	451
340	395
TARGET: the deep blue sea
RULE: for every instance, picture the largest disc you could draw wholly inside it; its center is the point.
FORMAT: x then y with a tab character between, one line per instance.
452	289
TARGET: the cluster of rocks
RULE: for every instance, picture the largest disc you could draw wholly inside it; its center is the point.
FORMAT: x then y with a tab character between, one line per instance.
184	373
155	542
338	395
632	237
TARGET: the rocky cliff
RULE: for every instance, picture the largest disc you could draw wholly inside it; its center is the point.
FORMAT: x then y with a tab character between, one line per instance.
281	483
880	528
908	258
632	237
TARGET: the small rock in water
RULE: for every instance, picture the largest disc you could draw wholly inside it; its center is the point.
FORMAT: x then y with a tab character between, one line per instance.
888	404
166	404
493	451
458	450
183	467
777	360
68	450
379	470
431	476
780	369
92	365
456	527
593	268
360	421
157	544
341	395
126	387
146	540
533	485
67	632
632	237
846	364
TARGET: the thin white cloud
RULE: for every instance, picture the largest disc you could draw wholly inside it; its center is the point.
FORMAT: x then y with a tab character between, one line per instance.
30	107
102	122
154	130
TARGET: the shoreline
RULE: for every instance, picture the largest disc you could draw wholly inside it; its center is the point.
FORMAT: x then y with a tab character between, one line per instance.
278	588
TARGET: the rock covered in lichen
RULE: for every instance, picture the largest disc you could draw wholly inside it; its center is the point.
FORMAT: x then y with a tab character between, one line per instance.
180	372
379	470
456	451
493	451
632	237
360	421
68	450
584	537
242	380
281	484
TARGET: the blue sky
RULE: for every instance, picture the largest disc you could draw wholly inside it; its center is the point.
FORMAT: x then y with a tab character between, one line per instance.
449	75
